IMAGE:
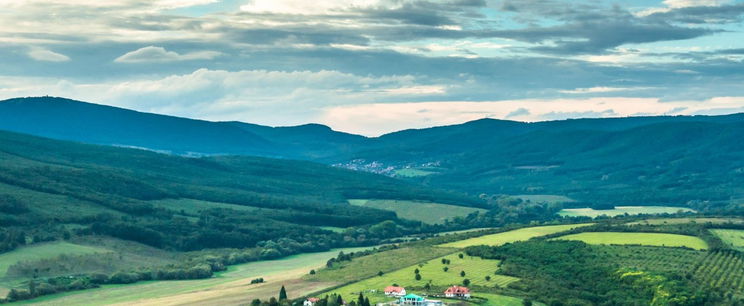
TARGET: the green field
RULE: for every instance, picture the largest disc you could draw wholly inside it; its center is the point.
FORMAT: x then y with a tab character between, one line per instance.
431	213
432	271
734	238
44	251
413	172
621	210
652	239
501	300
112	294
546	198
513	236
662	221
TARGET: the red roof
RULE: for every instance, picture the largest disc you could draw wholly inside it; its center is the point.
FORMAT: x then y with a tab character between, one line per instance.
313	300
457	290
389	289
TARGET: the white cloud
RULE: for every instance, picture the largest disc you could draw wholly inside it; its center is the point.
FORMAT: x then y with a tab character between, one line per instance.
45	55
675	4
160	54
304	7
601	89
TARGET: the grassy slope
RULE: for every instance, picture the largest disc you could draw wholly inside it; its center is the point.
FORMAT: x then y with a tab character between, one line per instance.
651	239
431	213
432	271
44	251
735	238
368	266
621	210
195	206
513	236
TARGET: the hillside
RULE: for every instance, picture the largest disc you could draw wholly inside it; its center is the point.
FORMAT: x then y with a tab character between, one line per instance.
117	191
693	161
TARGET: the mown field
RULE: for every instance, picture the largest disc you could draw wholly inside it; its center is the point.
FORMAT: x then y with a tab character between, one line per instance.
513	236
432	272
228	287
734	238
621	210
663	221
650	239
431	213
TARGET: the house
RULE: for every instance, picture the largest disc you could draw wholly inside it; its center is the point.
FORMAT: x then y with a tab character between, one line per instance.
310	302
412	299
395	291
457	292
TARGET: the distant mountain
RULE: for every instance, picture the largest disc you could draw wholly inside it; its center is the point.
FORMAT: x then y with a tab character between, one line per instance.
672	160
98	124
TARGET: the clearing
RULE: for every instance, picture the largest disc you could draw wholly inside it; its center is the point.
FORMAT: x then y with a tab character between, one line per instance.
514	236
44	251
651	239
430	213
734	238
621	210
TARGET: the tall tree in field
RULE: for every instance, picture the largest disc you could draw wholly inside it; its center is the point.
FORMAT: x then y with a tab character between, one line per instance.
282	294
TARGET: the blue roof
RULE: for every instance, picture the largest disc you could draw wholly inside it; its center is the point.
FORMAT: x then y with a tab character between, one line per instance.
412	296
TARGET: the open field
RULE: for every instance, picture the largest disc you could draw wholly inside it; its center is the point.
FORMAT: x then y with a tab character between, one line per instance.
502	300
368	266
662	221
651	239
432	271
621	210
431	213
734	238
44	251
230	287
513	236
546	198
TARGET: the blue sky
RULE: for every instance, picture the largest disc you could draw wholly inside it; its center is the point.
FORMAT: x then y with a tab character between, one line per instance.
375	66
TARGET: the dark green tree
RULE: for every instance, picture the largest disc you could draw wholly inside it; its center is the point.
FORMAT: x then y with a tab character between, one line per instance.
282	294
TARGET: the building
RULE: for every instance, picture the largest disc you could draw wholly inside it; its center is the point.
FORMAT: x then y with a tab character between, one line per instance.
457	292
310	302
395	291
412	299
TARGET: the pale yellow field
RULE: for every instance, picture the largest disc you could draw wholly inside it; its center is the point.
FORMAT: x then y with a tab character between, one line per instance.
514	236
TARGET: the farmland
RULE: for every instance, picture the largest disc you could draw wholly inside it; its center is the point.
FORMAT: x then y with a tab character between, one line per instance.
228	287
513	236
431	272
734	238
663	221
621	210
651	239
431	213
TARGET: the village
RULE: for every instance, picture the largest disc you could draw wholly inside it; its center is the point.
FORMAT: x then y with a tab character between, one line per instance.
402	297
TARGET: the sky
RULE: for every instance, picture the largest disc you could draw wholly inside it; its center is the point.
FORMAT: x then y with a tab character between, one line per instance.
376	66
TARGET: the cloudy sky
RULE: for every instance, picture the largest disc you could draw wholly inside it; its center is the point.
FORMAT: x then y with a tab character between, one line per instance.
374	66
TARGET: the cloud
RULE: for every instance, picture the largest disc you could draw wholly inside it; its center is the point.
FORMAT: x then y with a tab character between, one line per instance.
602	89
518	113
47	55
159	54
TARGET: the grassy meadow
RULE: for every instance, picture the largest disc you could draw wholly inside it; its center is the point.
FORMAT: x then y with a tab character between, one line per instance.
650	239
195	206
44	251
513	236
432	272
734	238
431	213
621	210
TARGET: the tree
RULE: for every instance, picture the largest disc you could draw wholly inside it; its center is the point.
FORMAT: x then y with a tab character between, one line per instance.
366	301
416	271
444	261
360	299
462	273
339	300
460	255
488	278
380	273
418	276
282	294
256	302
527	302
312	272
465	282
273	302
445	269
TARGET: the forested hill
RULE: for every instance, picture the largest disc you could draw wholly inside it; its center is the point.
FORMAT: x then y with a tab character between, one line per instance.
185	203
672	160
